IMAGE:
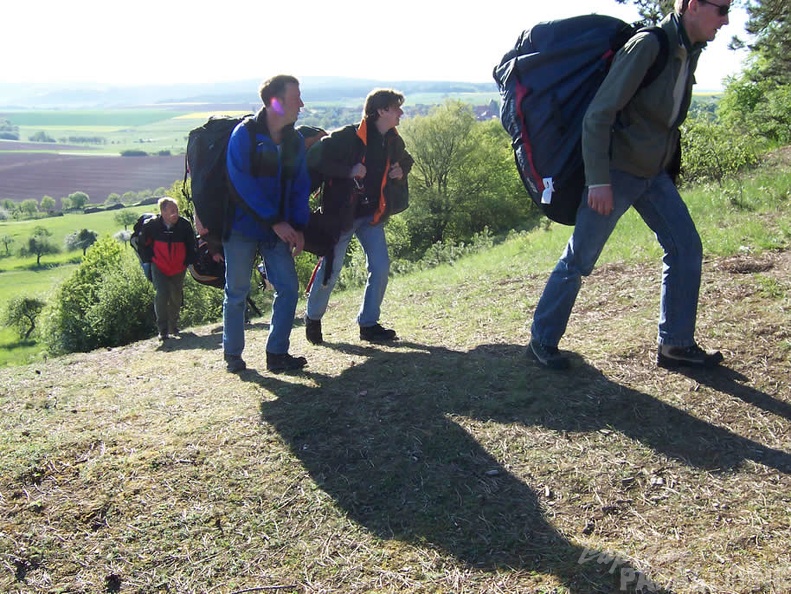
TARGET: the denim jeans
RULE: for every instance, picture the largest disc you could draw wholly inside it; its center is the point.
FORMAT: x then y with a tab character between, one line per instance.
168	299
240	252
659	204
372	239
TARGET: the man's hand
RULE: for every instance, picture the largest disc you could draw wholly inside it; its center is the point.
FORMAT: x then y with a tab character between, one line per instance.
295	239
358	171
600	199
395	171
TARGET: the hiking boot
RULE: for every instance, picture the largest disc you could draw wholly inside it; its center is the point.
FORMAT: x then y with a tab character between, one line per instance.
285	362
690	356
377	333
163	336
548	356
234	363
313	331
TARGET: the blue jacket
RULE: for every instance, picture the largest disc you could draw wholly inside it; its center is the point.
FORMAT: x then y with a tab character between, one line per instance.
272	180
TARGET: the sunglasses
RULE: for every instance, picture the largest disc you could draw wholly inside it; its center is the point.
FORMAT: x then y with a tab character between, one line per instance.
722	9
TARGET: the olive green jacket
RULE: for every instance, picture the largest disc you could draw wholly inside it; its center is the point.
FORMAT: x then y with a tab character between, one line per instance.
629	128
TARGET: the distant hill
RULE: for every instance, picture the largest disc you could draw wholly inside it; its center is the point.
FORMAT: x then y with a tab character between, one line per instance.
15	96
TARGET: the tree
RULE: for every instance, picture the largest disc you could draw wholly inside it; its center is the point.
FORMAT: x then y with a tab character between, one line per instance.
47	204
758	101
651	11
39	244
123	236
769	21
7	240
41	136
29	207
78	200
81	240
464	179
113	198
125	218
22	313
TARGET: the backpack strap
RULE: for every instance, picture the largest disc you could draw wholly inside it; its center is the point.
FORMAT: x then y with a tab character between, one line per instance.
661	59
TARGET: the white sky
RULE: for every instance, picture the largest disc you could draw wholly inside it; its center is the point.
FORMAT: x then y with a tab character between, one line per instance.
175	41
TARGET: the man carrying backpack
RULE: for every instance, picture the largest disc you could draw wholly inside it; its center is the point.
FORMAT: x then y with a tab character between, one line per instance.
274	185
168	242
365	169
630	135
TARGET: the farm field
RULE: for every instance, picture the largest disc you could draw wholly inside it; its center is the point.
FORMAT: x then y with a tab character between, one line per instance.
34	175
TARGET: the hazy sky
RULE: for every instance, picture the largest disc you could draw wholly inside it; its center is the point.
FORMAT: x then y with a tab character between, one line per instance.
161	41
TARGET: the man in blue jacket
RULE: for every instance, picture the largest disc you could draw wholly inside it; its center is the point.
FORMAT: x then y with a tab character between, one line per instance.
273	184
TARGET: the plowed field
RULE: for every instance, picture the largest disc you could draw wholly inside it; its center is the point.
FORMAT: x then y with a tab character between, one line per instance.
34	175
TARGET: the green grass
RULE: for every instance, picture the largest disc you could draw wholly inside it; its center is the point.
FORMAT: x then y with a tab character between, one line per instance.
101	222
445	462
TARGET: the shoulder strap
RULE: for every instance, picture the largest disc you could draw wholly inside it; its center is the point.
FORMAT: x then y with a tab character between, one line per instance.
661	58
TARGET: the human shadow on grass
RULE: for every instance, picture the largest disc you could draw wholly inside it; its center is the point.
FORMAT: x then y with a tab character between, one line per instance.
729	381
188	340
380	439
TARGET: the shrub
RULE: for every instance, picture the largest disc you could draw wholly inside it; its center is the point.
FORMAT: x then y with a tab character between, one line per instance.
712	151
106	302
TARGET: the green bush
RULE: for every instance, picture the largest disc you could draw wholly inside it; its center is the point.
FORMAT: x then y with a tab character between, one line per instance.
714	151
202	304
105	302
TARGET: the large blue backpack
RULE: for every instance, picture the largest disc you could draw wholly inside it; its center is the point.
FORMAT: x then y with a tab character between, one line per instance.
546	83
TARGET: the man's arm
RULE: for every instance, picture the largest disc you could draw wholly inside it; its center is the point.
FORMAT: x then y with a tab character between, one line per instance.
622	82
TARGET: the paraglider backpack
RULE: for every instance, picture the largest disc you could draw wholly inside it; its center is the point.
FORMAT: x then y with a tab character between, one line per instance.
546	83
210	191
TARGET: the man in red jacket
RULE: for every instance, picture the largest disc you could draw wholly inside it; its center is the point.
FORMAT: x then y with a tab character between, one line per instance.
169	242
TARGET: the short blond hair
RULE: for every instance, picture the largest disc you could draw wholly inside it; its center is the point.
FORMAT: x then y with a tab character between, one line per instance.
166	200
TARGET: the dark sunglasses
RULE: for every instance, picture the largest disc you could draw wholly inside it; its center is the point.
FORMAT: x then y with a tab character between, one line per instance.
722	9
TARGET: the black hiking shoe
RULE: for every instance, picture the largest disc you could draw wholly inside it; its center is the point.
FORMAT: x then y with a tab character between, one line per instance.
377	333
548	356
234	363
691	356
313	331
285	362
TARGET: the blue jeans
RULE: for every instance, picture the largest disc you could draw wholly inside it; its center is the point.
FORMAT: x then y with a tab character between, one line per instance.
240	252
659	204
372	239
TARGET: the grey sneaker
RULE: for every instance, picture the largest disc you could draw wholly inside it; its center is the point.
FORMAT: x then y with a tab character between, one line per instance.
691	356
548	356
285	362
234	363
313	331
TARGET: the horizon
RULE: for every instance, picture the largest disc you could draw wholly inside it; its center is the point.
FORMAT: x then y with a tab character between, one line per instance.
410	48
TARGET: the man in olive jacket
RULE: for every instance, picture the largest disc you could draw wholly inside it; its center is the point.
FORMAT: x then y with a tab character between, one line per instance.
365	169
629	140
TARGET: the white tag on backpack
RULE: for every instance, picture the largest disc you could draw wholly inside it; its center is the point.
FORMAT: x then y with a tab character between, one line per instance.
546	196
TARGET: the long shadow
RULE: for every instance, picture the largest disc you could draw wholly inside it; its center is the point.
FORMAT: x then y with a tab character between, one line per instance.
379	439
732	382
210	342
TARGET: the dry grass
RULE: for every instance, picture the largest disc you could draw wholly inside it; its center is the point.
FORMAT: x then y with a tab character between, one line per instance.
447	462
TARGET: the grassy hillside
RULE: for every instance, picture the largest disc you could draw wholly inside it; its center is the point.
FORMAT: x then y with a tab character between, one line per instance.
446	462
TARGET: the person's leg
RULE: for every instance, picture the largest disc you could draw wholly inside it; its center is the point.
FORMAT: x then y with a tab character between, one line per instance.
160	282
320	292
282	273
374	244
588	239
665	213
175	300
239	253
